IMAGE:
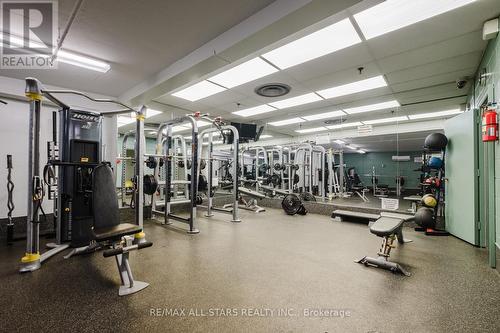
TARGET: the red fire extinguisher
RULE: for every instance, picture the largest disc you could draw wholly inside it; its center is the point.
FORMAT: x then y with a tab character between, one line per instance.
490	125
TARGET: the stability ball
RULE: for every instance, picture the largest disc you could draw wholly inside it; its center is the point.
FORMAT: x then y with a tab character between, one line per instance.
435	141
429	200
435	163
424	217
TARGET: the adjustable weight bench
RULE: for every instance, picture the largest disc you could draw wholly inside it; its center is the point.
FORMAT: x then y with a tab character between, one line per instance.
388	226
107	228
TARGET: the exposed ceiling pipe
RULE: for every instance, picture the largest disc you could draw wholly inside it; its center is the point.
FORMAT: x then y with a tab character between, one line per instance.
72	17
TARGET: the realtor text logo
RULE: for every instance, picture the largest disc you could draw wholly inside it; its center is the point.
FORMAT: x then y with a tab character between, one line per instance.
29	34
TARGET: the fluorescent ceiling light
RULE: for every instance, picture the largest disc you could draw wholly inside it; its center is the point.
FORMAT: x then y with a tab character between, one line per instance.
327	40
325	115
373	107
62	56
287	122
151	113
198	91
392	15
435	114
81	61
179	128
124	120
265	136
254	111
361	151
297	100
345	125
310	130
352	147
214	142
339	142
354	87
246	72
385	120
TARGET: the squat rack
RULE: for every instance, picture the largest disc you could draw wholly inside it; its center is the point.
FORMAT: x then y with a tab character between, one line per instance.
167	215
235	166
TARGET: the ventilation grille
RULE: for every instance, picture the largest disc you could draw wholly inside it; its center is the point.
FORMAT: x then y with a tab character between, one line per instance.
273	90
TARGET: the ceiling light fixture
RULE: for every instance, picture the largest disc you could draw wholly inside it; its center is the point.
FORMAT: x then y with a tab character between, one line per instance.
345	125
254	111
372	107
310	130
354	87
392	15
331	114
265	136
246	72
151	113
327	40
435	114
295	101
385	120
62	55
361	151
287	122
352	147
198	91
339	142
124	120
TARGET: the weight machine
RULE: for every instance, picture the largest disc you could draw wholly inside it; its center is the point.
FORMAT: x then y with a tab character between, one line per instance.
81	185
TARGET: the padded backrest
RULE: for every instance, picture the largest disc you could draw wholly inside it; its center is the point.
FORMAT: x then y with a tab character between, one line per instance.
105	201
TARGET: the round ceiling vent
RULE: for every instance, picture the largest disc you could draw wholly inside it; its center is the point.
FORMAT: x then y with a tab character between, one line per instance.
273	89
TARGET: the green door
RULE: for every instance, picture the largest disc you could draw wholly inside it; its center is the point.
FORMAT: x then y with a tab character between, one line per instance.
461	187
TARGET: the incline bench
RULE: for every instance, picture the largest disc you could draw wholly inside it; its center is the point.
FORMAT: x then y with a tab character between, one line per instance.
250	204
388	226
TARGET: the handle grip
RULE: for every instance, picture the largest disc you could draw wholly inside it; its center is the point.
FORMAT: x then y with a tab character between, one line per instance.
121	250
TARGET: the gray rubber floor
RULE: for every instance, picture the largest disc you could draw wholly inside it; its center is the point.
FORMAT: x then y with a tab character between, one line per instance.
269	261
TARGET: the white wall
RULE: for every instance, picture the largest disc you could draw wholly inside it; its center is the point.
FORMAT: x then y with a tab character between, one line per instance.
14	141
14	119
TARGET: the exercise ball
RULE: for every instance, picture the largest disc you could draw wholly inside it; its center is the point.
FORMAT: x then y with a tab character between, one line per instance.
435	141
429	200
424	217
433	182
435	163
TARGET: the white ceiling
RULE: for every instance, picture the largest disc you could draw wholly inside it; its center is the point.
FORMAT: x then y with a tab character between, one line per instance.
402	142
420	62
138	38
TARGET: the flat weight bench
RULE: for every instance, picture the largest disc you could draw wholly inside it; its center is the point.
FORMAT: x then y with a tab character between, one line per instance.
389	226
340	213
108	229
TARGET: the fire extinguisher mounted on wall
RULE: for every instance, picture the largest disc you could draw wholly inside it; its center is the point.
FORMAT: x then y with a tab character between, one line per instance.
490	124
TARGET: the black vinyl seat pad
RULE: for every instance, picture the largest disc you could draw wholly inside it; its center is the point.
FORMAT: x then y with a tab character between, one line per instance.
117	231
105	207
386	226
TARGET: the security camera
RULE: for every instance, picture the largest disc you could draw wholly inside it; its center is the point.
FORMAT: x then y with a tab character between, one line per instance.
461	82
